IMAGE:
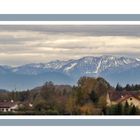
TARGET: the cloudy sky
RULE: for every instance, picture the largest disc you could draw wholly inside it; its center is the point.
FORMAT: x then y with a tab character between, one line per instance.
42	43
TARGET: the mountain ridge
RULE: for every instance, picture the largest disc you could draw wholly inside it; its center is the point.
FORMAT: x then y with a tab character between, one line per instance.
113	68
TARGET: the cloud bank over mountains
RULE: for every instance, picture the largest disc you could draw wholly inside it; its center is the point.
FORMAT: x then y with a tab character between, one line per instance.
22	44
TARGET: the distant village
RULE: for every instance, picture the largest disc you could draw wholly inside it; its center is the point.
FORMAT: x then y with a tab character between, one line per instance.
91	96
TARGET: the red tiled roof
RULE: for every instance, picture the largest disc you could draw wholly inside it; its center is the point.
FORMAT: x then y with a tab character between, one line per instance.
126	97
117	95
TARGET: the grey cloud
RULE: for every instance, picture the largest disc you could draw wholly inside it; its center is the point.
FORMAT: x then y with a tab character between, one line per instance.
94	30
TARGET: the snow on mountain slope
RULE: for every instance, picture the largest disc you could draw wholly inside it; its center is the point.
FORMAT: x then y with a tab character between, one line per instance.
37	68
72	65
56	64
114	69
96	65
108	62
85	65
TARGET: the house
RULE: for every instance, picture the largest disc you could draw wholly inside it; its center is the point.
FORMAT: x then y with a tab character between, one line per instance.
131	100
121	97
8	106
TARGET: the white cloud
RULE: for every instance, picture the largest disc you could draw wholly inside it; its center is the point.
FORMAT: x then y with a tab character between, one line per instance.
25	46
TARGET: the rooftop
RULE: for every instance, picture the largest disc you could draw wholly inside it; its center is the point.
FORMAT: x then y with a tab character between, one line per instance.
6	104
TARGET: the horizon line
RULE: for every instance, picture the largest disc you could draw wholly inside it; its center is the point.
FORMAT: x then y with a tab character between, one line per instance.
96	56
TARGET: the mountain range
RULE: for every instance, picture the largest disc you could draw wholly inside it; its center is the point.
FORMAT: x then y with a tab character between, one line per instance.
113	68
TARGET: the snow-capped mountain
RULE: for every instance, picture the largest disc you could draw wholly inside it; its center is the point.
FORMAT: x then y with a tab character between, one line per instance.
97	65
37	68
112	68
85	65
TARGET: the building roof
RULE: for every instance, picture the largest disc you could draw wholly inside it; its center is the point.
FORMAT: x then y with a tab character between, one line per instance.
117	95
6	104
127	97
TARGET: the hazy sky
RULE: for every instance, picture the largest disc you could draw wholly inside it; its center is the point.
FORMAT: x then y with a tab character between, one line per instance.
42	43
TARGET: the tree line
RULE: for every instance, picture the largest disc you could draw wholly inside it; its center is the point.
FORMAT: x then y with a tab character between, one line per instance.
128	87
87	97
